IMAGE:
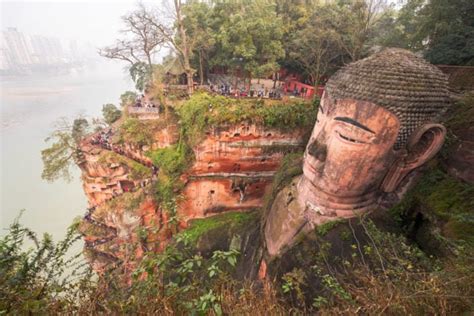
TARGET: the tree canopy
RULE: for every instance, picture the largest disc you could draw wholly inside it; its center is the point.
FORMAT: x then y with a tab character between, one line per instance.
310	37
111	113
63	152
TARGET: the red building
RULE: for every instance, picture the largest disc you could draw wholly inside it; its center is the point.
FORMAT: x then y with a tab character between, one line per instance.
302	89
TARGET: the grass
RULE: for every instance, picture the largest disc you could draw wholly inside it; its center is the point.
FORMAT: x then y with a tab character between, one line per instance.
228	220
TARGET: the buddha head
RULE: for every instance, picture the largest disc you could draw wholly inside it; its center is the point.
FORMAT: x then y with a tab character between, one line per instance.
377	121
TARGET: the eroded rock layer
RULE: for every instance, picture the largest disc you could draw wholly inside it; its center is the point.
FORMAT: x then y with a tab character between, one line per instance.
232	169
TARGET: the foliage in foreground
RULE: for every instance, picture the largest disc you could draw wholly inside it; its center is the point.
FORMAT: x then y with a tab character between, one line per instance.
386	276
42	278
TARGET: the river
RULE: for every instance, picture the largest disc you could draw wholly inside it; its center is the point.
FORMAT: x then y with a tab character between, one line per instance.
29	108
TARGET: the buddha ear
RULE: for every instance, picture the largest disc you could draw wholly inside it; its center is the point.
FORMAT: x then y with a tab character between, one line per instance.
422	145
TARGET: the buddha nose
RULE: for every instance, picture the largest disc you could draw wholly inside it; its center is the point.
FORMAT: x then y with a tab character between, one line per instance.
318	150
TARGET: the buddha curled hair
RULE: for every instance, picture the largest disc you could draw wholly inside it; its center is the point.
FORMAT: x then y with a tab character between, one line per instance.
396	79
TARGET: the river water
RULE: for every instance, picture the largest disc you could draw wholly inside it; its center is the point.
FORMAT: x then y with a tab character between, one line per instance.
29	107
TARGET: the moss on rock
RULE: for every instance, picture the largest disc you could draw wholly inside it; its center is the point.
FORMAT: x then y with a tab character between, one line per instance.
203	111
442	200
232	221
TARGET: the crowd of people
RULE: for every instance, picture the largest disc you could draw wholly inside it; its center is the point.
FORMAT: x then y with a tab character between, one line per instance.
103	139
262	92
141	101
300	93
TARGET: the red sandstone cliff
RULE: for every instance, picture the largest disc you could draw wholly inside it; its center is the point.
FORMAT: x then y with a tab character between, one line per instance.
232	169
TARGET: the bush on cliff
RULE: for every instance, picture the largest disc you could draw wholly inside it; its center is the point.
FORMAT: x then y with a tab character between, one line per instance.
128	98
438	211
173	159
135	132
111	113
171	162
203	111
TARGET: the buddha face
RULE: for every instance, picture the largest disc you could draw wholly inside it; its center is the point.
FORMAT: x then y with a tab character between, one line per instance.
349	164
349	153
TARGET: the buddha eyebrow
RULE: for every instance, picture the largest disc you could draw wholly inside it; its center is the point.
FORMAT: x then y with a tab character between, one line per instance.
355	123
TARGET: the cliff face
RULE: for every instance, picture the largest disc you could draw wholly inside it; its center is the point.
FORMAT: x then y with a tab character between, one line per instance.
233	167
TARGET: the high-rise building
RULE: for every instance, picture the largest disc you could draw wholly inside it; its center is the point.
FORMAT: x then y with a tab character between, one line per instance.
20	53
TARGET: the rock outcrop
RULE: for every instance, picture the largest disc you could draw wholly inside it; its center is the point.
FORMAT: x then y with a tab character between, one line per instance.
232	169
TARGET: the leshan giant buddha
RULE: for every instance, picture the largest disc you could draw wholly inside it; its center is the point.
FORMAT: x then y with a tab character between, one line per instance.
377	122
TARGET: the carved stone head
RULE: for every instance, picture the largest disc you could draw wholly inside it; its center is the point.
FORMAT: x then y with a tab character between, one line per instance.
377	121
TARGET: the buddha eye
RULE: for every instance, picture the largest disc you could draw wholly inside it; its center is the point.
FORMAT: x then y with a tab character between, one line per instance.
349	139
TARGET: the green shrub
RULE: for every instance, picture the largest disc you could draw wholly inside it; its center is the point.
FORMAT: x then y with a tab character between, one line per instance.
444	200
111	113
203	111
37	275
136	132
127	98
173	160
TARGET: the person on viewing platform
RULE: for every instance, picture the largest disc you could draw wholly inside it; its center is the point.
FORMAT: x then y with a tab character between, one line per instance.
295	91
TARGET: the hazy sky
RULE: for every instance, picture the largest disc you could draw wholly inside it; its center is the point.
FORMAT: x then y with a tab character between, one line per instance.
94	21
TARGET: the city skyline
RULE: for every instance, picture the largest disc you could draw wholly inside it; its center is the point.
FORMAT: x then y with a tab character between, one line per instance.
23	53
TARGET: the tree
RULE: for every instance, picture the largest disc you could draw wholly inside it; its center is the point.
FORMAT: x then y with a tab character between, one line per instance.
316	46
60	157
127	98
175	37
80	127
404	29
183	47
357	23
111	113
443	30
198	29
142	41
294	15
447	28
142	75
248	37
